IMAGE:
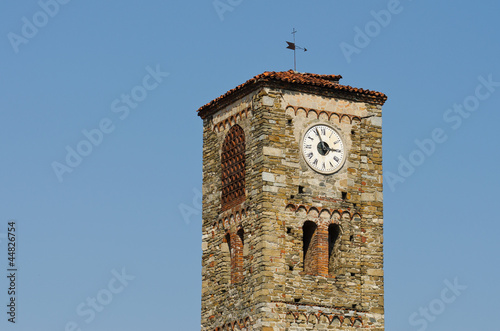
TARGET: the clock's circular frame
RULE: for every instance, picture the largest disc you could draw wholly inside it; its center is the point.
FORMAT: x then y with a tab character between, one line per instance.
320	147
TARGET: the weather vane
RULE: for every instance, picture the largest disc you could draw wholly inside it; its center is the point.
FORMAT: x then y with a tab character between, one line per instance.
293	47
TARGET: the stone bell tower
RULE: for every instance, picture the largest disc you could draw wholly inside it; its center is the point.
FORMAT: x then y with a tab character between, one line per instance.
292	206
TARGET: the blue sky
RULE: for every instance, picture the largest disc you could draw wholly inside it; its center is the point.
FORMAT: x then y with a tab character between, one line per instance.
122	223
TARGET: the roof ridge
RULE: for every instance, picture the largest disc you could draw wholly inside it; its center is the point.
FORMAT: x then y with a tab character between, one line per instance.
296	79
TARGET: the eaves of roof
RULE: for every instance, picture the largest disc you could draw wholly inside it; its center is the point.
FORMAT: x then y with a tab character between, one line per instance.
291	80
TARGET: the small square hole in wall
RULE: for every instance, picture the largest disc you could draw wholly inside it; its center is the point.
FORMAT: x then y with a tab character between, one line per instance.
354	306
288	230
351	238
353	132
290	268
296	300
355	205
353	274
344	195
301	189
292	196
289	121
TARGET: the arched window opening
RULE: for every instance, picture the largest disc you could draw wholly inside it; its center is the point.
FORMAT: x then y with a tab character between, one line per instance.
235	242
309	240
241	234
333	248
233	168
226	259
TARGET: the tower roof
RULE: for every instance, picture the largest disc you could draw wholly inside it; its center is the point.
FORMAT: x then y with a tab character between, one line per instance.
292	80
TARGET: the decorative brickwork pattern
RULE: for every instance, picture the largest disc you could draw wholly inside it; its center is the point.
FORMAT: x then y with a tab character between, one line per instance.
231	218
323	320
329	115
242	325
229	120
313	211
233	168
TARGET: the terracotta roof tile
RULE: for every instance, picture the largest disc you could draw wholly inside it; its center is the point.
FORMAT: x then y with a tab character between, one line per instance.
294	81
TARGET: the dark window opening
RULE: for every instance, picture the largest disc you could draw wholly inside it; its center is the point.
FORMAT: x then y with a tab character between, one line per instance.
235	243
309	231
333	248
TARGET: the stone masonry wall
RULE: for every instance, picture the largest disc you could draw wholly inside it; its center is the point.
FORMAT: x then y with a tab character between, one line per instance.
345	289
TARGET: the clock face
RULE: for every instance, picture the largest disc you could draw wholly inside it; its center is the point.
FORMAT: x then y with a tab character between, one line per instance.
323	149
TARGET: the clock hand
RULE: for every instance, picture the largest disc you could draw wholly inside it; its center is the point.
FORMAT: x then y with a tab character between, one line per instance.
317	132
324	147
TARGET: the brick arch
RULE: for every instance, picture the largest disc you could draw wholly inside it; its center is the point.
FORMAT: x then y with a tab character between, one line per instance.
356	321
312	111
312	211
323	318
323	115
299	110
345	119
337	320
233	168
332	116
313	318
291	317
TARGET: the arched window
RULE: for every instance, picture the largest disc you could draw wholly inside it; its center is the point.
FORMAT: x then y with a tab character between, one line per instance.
233	168
315	248
309	241
236	242
333	248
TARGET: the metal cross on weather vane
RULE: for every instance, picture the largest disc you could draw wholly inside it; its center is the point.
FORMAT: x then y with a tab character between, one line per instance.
293	47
